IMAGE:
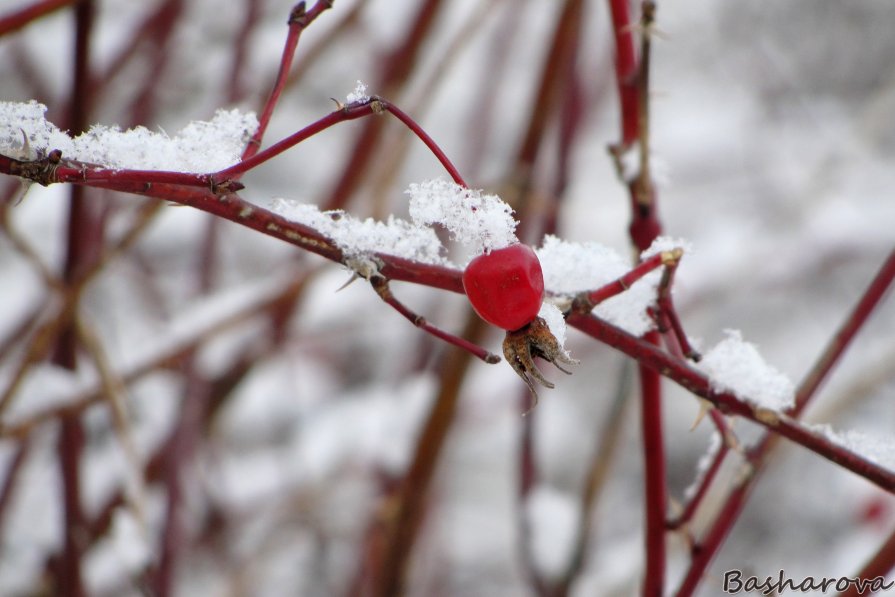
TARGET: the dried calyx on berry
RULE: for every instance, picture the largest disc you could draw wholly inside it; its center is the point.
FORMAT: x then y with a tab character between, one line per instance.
534	340
506	288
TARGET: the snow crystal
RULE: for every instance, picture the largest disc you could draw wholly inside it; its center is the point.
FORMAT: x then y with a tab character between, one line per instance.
737	367
879	450
198	147
554	517
667	243
359	237
570	268
359	94
556	322
483	221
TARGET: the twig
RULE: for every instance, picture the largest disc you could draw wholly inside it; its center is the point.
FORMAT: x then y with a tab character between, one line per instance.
626	69
879	565
380	285
590	299
22	17
299	19
758	455
396	68
697	382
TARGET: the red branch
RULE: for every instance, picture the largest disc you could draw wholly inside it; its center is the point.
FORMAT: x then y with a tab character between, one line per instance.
625	71
20	18
698	383
713	539
299	19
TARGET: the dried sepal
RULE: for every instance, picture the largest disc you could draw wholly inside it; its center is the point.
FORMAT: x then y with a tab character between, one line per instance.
520	347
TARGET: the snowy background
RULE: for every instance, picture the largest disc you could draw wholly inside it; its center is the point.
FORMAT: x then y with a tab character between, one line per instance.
774	134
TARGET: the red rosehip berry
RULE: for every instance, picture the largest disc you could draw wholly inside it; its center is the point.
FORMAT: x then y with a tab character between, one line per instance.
505	286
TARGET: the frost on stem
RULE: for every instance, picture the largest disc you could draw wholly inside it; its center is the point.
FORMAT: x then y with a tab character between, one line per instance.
198	147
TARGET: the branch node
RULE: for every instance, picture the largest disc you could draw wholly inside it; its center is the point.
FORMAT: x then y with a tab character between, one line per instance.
298	15
41	170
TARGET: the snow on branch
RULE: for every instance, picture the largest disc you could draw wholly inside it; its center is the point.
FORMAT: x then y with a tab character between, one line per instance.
198	147
736	366
358	238
485	222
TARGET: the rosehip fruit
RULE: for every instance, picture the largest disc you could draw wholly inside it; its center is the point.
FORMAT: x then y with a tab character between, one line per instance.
505	286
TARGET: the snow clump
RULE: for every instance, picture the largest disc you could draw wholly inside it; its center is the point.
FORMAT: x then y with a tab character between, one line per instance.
485	222
359	95
736	366
198	147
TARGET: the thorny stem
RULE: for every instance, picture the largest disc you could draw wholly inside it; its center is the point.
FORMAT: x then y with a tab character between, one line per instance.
381	286
668	315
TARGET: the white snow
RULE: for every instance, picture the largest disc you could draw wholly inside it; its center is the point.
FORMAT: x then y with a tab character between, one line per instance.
554	518
198	147
877	449
736	366
556	322
359	237
480	221
667	243
485	222
570	268
359	95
